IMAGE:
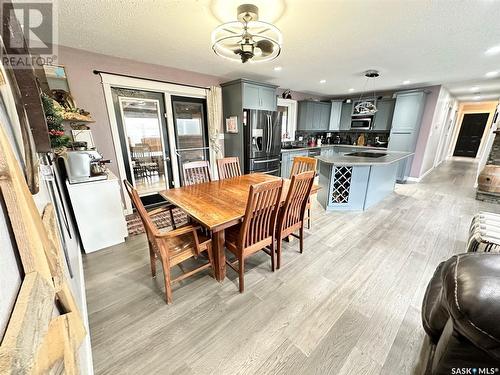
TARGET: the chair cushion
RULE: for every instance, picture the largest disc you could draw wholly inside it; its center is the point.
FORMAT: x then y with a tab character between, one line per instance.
471	289
434	312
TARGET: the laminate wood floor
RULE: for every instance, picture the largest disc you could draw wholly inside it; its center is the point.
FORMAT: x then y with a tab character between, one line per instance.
350	304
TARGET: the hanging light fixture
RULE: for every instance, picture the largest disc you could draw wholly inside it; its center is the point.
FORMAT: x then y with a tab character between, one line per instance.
367	106
247	39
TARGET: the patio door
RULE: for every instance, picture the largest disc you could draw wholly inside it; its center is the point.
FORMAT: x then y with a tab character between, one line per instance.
190	125
140	117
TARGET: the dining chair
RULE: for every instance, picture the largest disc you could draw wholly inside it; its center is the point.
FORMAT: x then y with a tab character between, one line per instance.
196	172
228	167
172	247
258	229
304	164
291	216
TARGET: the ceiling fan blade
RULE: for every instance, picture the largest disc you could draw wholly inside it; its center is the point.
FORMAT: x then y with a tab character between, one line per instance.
263	31
265	46
230	31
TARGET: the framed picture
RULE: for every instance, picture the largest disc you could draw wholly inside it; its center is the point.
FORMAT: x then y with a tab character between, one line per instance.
232	124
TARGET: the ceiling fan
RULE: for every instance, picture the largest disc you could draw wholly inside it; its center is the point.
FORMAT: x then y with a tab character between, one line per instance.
247	39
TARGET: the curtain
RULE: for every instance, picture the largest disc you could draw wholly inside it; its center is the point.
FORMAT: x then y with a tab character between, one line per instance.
214	109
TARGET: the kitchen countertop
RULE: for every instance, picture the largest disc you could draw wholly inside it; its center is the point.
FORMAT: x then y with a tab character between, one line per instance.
343	160
334	145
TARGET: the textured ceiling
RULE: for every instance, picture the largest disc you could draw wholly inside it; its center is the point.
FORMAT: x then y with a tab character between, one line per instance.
423	41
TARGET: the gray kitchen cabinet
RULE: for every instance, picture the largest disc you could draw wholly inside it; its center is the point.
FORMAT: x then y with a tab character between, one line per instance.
335	115
251	97
287	161
268	100
408	111
345	116
313	115
383	117
405	128
254	95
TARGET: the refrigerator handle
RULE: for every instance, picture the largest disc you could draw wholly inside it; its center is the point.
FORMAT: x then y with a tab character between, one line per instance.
268	134
272	135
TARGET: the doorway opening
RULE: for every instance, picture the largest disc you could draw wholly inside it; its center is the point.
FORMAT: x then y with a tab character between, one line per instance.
470	135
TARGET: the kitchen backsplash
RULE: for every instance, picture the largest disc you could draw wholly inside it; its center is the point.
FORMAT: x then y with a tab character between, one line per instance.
343	137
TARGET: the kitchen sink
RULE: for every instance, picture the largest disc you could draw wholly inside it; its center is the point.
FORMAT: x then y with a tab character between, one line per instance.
366	154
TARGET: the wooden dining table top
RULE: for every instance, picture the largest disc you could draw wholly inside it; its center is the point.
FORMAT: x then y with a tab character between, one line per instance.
220	204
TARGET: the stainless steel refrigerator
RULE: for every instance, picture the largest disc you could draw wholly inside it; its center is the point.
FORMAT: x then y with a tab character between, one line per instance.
262	141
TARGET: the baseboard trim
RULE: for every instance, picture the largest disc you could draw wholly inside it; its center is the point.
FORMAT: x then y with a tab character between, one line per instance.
418	179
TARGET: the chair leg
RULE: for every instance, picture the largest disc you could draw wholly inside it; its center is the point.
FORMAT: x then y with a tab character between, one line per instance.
168	286
241	271
172	220
278	252
152	259
272	256
309	218
301	235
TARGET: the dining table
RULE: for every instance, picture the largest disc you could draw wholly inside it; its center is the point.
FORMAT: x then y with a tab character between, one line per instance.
218	205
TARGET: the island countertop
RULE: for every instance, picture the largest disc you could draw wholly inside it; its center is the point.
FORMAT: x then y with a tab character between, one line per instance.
345	160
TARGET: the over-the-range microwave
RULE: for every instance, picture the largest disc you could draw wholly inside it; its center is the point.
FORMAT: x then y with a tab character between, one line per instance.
361	123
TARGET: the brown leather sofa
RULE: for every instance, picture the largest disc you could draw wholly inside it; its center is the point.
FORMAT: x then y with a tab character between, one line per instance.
461	315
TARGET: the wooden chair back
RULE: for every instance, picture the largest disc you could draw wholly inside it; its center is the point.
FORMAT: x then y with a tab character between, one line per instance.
228	167
196	172
149	225
261	214
293	210
303	164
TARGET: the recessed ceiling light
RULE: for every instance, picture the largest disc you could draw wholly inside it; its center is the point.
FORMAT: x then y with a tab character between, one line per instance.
474	88
277	68
351	90
406	82
477	97
492	51
322	81
491	74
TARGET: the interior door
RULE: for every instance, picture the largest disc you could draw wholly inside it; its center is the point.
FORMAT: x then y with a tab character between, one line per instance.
470	135
191	130
144	141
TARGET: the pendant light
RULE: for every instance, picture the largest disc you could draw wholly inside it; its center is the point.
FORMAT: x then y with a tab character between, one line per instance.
367	106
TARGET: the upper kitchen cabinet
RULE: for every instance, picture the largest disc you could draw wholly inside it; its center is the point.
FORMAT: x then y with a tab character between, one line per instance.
408	111
383	117
335	115
345	116
251	94
314	115
259	96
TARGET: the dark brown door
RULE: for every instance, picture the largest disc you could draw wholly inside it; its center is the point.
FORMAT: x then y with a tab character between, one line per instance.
470	135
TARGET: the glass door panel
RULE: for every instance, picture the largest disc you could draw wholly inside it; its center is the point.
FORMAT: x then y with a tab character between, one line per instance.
190	129
144	141
145	144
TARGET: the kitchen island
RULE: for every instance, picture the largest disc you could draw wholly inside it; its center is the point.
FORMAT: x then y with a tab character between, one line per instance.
356	180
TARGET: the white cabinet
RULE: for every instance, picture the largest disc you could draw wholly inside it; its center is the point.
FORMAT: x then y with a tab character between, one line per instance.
98	210
335	115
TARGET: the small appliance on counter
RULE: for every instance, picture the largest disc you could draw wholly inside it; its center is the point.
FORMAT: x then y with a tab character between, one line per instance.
85	166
